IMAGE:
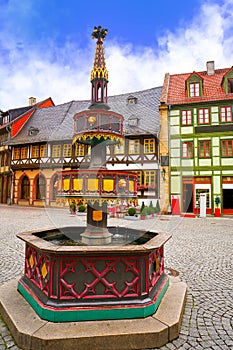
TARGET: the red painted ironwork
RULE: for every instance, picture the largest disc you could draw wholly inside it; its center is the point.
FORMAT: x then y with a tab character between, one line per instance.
107	277
34	265
156	267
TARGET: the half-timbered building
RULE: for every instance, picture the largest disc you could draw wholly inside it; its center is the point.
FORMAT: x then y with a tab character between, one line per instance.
43	145
199	108
16	117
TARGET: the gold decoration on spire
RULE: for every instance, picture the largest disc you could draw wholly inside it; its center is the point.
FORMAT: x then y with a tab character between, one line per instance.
99	70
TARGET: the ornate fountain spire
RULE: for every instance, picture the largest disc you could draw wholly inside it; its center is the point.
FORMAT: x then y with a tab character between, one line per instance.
99	73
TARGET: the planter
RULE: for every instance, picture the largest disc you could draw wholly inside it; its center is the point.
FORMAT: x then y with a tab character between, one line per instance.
217	213
143	217
133	218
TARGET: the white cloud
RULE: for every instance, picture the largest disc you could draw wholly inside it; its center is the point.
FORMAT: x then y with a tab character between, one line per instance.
63	73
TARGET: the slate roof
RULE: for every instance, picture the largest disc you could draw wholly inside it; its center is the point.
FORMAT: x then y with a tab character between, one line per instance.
212	88
56	123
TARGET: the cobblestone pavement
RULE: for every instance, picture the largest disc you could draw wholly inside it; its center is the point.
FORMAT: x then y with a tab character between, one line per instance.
201	250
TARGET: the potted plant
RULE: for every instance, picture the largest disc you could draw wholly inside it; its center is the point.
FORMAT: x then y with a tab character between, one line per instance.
157	208
81	208
132	211
151	209
143	211
217	201
73	208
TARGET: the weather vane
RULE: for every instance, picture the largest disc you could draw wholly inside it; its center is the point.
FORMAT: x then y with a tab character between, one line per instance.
99	33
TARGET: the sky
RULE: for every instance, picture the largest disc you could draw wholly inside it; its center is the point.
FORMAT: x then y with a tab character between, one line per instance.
46	48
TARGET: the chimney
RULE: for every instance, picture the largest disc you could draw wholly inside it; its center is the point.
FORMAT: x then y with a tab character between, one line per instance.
210	67
32	101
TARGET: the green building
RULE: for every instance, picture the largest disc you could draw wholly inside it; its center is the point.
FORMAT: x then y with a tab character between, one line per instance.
200	138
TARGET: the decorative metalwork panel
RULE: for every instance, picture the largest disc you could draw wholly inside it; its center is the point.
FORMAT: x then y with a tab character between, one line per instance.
156	266
37	268
99	278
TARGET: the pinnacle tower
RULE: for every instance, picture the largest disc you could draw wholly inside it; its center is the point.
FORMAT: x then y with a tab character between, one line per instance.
99	73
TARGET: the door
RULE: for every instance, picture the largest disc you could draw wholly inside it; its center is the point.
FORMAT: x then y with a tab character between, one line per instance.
188	198
227	204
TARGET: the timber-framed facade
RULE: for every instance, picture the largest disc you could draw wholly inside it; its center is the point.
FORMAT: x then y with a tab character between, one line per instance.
201	138
43	146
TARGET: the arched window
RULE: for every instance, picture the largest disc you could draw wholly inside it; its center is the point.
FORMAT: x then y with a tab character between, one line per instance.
25	188
54	187
40	187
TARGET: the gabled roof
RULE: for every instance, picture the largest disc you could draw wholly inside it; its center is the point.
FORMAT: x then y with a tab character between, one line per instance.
19	122
57	124
193	74
212	88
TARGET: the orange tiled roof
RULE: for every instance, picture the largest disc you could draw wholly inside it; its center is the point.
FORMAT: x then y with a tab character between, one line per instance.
212	88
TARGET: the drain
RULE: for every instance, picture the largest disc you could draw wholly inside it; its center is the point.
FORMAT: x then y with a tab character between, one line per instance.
172	272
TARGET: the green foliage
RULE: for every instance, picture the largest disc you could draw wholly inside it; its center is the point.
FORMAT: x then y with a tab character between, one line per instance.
131	211
217	201
73	207
81	208
142	207
151	209
157	207
144	212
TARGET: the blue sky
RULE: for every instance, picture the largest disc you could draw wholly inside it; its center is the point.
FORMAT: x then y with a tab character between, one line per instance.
46	47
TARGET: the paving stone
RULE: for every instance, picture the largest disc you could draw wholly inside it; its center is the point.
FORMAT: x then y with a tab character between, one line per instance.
200	250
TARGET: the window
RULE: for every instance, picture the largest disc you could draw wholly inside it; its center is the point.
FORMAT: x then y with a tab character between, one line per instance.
230	85
149	145
186	117
54	187
203	116
225	114
187	149
227	148
204	149
67	150
139	178
119	148
35	151
16	154
24	152
194	89
56	151
132	100
5	119
40	187
43	151
134	146
25	188
149	178
79	150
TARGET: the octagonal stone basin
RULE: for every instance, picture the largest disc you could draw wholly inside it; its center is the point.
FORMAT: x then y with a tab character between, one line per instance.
78	283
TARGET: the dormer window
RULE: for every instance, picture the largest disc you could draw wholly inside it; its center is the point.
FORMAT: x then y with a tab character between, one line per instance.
33	131
230	85
132	100
227	81
133	121
194	89
194	85
5	119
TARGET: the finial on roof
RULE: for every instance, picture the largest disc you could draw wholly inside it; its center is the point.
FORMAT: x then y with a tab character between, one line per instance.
99	33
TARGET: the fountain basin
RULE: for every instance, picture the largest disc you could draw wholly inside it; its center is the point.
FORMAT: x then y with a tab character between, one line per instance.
78	283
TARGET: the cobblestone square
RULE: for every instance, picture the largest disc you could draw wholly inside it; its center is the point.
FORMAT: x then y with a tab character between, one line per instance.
200	251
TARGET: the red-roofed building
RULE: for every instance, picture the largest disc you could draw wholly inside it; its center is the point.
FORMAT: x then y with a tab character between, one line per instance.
11	122
199	107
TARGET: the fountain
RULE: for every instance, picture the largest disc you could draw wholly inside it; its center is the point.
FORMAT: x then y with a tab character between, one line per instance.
102	273
96	272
